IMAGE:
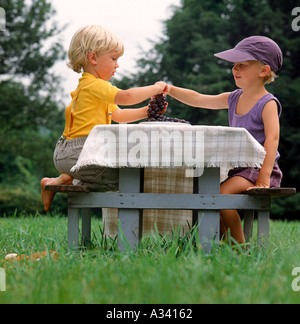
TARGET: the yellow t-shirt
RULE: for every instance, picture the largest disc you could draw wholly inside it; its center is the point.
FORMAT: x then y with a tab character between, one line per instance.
92	103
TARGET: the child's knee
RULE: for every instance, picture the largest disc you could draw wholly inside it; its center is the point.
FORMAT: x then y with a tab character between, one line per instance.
225	189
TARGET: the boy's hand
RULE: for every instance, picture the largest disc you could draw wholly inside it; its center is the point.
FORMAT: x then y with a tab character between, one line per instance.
164	111
162	87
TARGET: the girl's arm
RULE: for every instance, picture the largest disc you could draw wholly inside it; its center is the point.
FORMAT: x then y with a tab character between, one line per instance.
272	133
129	115
136	95
195	99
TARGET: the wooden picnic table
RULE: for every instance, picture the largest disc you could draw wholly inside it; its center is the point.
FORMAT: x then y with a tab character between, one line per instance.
206	152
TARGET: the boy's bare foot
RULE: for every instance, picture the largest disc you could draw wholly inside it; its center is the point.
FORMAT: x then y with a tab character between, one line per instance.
48	196
64	179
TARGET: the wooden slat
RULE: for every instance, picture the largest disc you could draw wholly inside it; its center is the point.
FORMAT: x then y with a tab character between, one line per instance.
69	188
271	192
167	201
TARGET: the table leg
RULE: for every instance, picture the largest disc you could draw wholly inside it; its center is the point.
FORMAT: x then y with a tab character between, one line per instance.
73	227
130	220
86	226
263	225
209	220
248	224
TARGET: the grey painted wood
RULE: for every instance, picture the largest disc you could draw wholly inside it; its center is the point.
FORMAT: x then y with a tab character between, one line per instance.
86	226
263	219
209	182
272	192
73	227
167	201
130	220
248	224
209	218
208	228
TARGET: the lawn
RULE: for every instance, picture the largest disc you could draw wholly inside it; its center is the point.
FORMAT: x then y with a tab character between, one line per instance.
162	271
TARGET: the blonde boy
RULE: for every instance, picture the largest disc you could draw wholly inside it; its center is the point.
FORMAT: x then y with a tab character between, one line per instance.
94	51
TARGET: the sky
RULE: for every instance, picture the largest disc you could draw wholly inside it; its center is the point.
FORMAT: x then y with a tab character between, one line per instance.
134	21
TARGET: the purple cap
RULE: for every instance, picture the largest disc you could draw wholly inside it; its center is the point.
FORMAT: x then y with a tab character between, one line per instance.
255	48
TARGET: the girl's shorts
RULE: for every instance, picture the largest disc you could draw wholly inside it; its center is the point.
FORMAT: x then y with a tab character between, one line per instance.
251	174
65	157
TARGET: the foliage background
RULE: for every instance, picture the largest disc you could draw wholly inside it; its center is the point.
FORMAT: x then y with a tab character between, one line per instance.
32	118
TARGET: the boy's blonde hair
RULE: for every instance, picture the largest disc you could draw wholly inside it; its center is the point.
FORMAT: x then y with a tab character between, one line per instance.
95	39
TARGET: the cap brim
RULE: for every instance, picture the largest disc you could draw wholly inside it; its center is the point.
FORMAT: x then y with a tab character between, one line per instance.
234	55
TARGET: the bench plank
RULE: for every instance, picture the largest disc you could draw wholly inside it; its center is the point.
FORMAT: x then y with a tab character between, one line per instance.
271	192
167	201
70	188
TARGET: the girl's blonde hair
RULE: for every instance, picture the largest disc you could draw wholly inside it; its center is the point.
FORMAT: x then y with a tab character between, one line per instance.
270	77
95	39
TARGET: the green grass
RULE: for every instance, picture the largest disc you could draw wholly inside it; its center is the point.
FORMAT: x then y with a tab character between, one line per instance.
162	270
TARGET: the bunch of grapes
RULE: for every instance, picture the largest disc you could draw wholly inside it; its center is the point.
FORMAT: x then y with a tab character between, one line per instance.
157	107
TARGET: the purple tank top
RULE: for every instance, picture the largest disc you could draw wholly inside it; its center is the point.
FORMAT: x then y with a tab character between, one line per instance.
253	120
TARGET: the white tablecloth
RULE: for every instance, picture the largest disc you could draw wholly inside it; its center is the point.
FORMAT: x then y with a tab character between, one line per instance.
166	151
162	145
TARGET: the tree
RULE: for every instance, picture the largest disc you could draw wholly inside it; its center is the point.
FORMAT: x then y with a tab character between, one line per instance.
184	57
29	113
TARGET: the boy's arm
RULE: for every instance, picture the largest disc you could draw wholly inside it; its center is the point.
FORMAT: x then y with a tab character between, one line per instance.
195	99
272	133
136	95
129	115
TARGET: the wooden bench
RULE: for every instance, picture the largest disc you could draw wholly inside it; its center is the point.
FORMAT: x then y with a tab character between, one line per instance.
263	217
81	199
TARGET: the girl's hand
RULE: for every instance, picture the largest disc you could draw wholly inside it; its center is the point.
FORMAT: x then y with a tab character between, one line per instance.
162	87
168	90
262	182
